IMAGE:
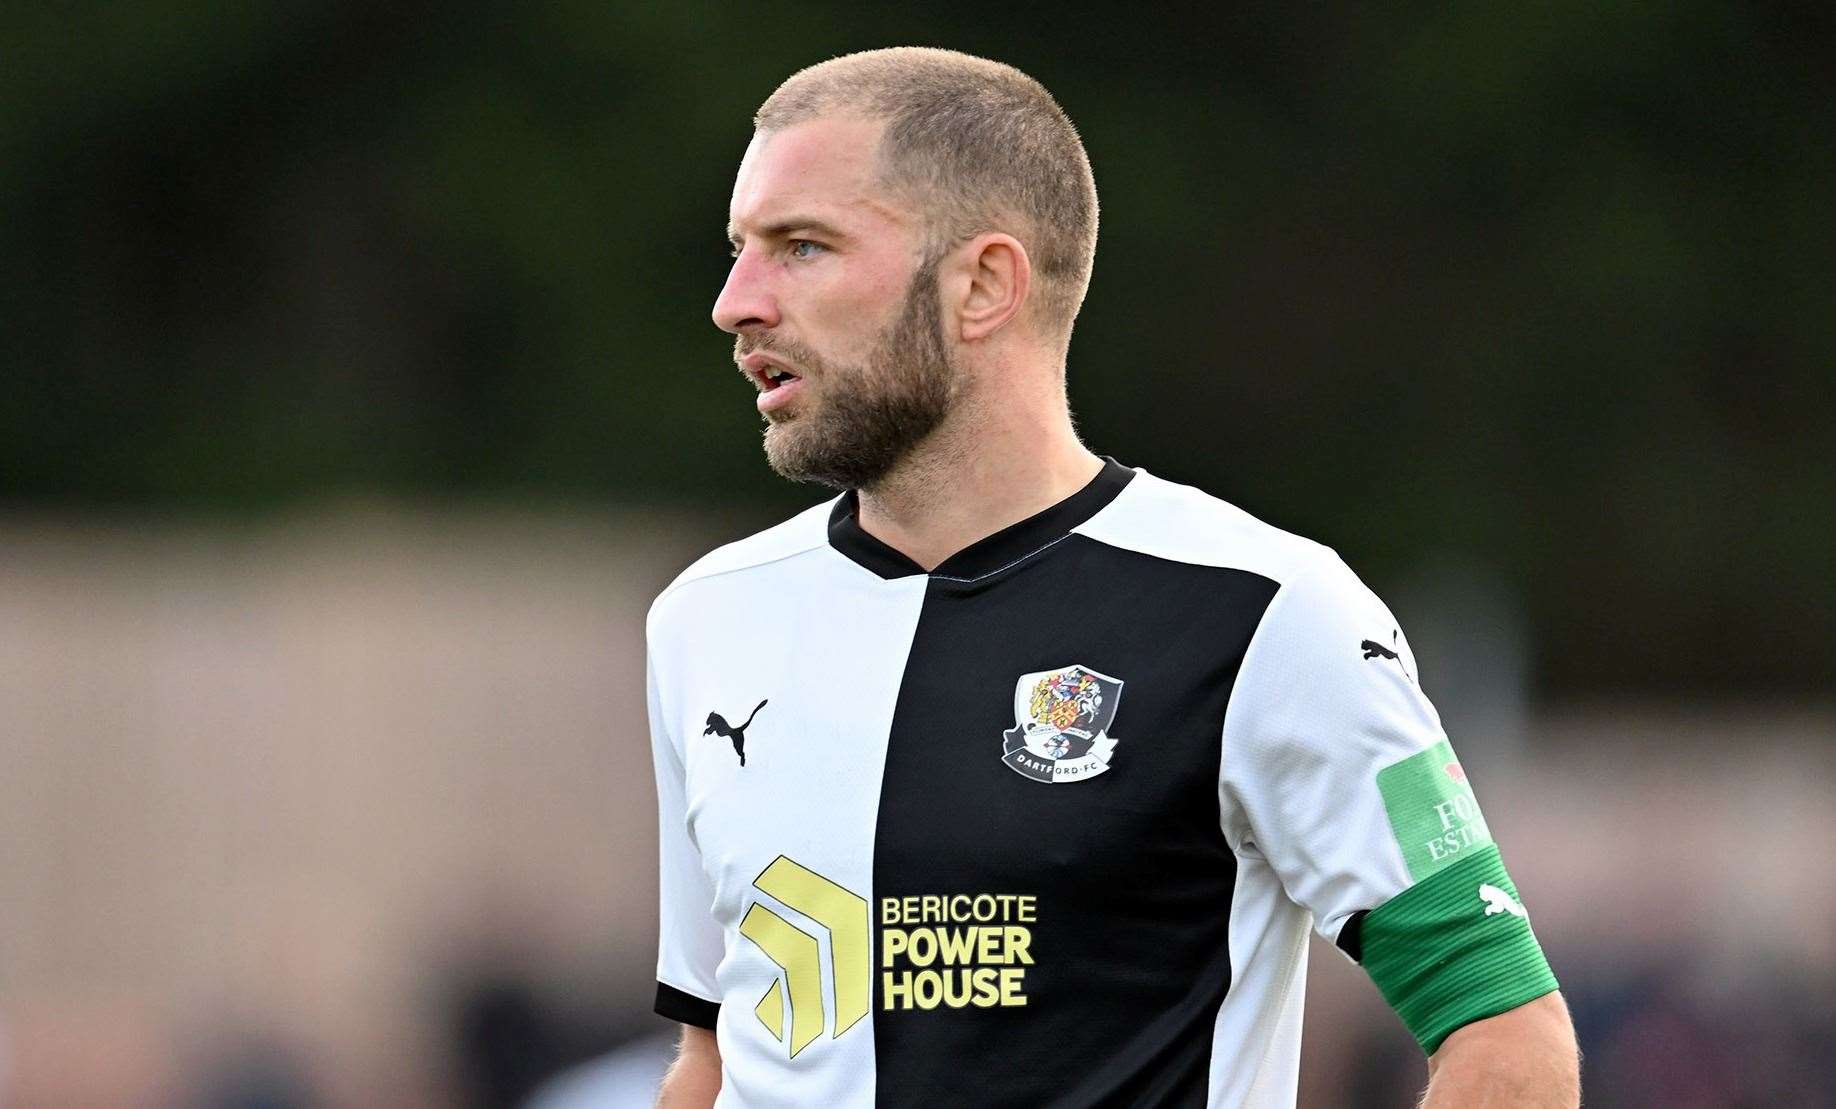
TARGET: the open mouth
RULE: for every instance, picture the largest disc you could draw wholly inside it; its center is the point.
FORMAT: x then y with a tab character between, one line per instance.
776	385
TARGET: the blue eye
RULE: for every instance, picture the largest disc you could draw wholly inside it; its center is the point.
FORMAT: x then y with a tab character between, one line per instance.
797	251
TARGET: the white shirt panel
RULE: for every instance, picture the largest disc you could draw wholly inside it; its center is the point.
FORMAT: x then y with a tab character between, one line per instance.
823	643
1311	722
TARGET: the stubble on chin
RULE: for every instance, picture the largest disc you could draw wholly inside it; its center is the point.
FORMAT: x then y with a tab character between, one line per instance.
868	418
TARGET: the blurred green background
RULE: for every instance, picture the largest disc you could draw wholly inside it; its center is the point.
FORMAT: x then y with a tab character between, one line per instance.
1546	288
360	391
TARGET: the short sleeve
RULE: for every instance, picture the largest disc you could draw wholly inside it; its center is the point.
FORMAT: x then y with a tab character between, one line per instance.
1336	771
689	939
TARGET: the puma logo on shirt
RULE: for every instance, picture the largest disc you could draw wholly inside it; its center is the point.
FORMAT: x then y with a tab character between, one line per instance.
717	725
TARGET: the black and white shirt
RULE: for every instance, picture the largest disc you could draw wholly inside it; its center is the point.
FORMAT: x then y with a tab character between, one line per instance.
1049	824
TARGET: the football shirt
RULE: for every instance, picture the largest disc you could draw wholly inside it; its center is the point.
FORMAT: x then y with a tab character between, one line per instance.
1050	823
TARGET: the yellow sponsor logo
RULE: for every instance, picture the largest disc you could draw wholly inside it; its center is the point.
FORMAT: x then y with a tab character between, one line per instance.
957	951
798	954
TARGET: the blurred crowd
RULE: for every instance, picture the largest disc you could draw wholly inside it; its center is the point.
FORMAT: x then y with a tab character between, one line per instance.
1654	1031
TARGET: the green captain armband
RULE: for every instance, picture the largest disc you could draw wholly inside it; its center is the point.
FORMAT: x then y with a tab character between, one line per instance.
1454	948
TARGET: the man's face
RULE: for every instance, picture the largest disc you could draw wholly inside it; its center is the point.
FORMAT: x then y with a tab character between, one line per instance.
835	309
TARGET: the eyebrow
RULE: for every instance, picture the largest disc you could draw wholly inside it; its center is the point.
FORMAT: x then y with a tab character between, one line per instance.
781	228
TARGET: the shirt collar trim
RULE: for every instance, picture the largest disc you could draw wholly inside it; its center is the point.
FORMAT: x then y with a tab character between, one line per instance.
988	555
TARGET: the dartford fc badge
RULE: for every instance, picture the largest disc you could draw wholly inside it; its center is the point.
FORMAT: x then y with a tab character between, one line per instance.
1061	724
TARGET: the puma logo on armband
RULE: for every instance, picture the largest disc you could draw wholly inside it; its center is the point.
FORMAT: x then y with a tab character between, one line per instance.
1498	901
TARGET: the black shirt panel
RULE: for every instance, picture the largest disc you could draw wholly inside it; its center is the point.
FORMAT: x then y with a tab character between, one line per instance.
1129	872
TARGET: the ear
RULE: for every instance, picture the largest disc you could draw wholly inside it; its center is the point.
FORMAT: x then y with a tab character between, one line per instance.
999	276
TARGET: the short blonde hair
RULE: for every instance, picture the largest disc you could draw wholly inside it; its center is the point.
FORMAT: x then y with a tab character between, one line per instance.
976	143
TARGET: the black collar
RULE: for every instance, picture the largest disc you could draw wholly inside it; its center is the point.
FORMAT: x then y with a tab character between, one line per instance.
984	556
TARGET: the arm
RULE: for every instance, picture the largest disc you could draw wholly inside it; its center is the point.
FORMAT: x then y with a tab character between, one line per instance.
1523	1057
1344	780
693	1080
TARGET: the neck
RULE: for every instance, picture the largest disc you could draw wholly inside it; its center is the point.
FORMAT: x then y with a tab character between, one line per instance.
992	463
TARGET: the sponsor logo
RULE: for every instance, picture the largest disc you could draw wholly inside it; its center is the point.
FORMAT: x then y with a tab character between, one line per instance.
1498	901
956	951
1432	810
798	952
1373	649
717	725
1061	724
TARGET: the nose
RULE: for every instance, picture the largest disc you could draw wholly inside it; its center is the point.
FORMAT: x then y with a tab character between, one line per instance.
746	300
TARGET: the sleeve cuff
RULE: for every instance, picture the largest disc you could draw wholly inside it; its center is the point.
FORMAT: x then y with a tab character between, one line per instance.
686	1008
1455	948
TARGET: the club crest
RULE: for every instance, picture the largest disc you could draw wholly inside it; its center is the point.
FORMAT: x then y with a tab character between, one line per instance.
1061	724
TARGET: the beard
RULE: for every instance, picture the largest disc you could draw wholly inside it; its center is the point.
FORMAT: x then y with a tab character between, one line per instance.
869	416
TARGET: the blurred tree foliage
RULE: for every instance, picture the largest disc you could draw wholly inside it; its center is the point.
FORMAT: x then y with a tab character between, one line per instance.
1549	289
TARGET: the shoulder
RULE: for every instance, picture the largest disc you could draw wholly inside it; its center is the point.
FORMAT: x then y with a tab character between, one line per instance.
1182	523
806	531
1314	595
